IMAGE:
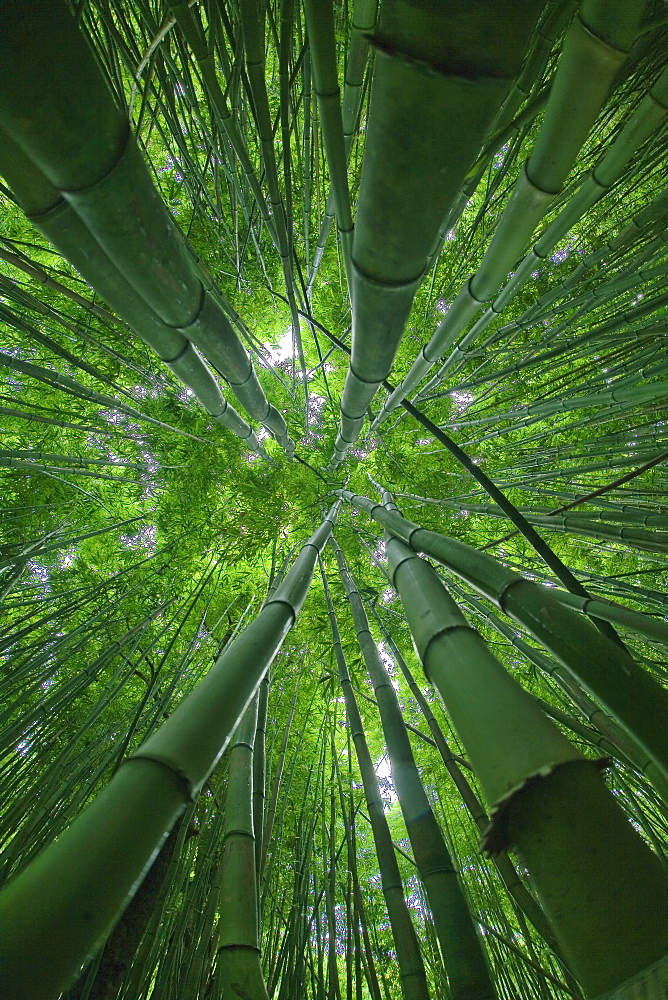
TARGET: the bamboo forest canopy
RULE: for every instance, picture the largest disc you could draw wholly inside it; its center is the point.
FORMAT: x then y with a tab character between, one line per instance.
335	532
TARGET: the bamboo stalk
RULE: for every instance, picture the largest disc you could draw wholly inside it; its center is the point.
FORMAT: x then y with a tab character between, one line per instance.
606	671
409	959
509	876
104	179
546	799
420	62
595	46
83	882
462	951
238	954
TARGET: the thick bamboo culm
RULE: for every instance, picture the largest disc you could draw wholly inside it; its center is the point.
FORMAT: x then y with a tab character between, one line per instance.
83	882
461	948
628	693
96	169
389	259
595	46
539	786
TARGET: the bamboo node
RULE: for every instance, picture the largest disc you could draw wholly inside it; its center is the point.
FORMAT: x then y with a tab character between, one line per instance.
496	838
182	777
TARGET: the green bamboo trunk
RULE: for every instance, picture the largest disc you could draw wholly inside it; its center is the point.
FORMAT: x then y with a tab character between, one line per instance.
251	16
435	61
607	672
607	907
238	968
507	872
322	42
413	977
463	954
595	46
65	121
65	903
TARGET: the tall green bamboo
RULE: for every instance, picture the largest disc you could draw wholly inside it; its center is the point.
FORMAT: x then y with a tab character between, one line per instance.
320	26
436	61
66	123
251	16
462	951
362	24
84	881
238	954
595	47
546	800
117	594
641	125
607	672
510	877
413	978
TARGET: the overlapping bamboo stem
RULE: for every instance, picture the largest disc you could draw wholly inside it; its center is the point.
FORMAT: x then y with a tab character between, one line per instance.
322	43
547	800
95	164
419	62
362	24
66	230
413	977
642	124
628	693
238	951
595	46
615	739
126	824
509	876
252	26
463	954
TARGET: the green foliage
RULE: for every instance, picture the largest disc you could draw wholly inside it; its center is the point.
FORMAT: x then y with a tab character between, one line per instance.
102	636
